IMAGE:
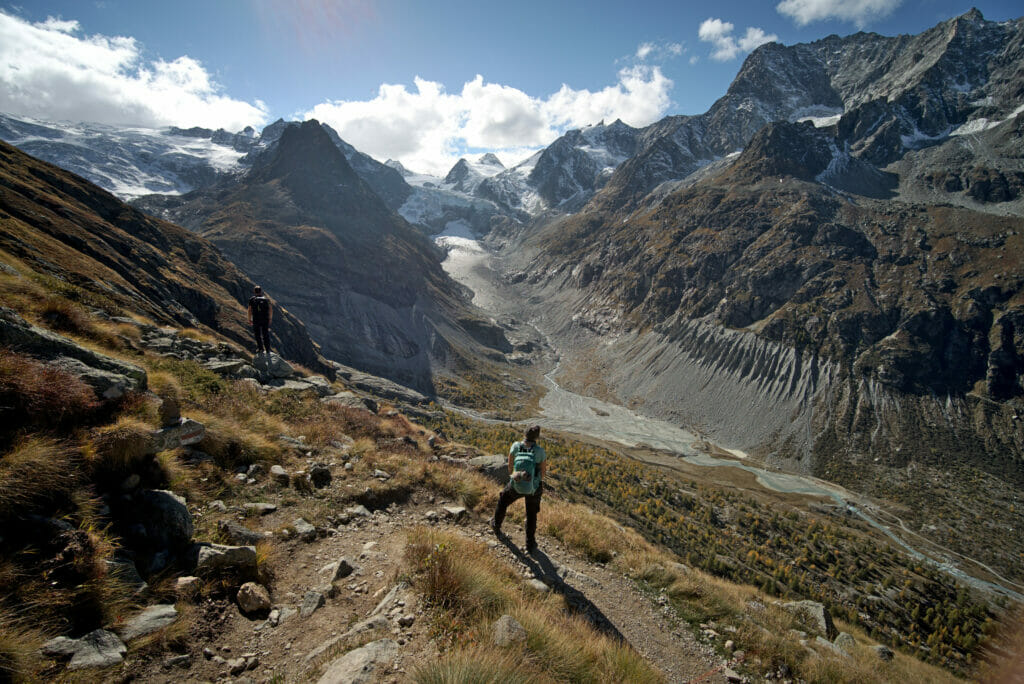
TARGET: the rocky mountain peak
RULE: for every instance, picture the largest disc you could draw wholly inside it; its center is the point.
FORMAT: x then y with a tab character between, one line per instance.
458	173
305	153
490	159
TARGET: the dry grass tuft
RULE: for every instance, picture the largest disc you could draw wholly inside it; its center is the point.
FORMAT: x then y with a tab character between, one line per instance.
33	394
120	449
469	589
19	650
231	444
479	666
36	474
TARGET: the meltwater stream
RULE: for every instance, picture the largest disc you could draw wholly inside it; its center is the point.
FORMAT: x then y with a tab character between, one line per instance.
469	263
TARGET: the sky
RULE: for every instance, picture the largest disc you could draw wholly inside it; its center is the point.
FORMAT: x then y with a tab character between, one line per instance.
424	82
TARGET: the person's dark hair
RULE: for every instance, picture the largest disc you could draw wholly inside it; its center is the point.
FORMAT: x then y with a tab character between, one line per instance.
533	433
257	289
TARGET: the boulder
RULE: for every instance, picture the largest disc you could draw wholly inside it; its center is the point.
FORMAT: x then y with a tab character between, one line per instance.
239	534
495	467
361	665
279	475
98	648
359	511
343	569
124	570
845	642
253	598
378	622
311	602
260	508
272	366
883	652
148	621
214	558
320	475
185	432
165	517
106	384
229	367
305	531
387	389
279	384
506	630
816	614
351	400
247	372
320	384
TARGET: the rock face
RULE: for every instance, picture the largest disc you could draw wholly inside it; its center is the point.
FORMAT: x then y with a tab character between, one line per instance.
93	241
369	287
109	377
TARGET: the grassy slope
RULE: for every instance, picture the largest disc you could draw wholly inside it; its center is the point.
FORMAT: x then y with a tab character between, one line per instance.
58	468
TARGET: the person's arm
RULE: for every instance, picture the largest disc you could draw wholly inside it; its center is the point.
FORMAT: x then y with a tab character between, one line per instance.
542	467
270	311
249	311
511	449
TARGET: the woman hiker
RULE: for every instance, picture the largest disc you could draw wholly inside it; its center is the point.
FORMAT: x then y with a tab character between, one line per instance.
527	462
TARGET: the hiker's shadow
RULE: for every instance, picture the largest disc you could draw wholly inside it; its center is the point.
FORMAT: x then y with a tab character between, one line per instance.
547	572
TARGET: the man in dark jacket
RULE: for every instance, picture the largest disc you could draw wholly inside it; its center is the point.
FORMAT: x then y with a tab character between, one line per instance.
260	315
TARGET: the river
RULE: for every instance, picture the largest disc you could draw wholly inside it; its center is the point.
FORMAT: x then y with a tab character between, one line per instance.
469	263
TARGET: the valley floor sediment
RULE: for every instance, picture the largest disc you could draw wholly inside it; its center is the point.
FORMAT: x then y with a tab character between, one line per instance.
472	264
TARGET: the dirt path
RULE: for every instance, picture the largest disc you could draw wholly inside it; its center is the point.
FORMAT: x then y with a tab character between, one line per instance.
615	605
297	648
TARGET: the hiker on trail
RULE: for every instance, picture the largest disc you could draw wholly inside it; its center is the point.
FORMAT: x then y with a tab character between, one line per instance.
260	315
527	462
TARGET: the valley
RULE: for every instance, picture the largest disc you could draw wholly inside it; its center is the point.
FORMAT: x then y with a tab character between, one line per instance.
657	442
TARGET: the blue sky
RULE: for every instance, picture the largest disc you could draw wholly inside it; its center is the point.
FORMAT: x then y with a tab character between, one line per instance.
423	82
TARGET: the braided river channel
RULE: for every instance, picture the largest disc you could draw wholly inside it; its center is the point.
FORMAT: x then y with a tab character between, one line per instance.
471	264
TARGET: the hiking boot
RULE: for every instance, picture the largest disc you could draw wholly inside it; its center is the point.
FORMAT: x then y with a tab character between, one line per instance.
497	530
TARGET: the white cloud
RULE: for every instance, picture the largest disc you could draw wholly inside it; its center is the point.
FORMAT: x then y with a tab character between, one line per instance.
658	51
859	12
428	129
49	71
726	46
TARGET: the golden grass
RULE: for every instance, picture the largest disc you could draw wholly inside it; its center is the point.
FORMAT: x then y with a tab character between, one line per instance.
121	448
231	444
479	665
19	646
468	589
37	471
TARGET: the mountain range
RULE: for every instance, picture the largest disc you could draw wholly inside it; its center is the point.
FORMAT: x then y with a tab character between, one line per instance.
824	270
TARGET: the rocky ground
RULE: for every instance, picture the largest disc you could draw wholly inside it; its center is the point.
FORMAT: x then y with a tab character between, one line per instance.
314	623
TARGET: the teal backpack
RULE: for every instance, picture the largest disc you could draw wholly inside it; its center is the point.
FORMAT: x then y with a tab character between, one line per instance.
522	462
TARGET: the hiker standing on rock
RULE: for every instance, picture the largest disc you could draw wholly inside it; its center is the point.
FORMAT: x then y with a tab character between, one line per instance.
527	462
260	315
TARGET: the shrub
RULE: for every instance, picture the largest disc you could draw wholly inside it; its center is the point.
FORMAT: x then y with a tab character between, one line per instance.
33	394
60	314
